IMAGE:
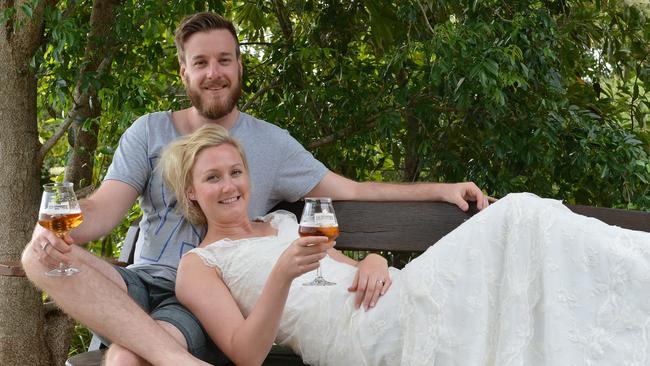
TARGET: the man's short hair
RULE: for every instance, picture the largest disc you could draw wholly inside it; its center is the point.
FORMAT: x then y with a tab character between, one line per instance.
201	22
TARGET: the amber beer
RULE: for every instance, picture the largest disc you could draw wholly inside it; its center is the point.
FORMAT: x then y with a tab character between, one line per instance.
331	232
60	223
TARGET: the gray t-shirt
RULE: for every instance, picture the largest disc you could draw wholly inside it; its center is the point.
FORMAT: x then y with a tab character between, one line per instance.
280	170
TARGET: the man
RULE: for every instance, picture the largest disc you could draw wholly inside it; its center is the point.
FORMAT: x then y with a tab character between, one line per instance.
280	168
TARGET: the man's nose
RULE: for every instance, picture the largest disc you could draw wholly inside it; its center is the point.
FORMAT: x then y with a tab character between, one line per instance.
214	70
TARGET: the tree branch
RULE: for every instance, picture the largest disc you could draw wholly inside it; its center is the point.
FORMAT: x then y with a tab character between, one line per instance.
371	122
259	93
283	19
426	20
63	127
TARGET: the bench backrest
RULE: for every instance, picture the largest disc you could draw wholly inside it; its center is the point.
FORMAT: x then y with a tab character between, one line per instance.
411	226
414	226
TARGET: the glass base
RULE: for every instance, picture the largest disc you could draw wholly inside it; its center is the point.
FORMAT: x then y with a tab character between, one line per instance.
62	272
319	281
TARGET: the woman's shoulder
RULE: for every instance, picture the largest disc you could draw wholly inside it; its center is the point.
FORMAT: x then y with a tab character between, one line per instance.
207	255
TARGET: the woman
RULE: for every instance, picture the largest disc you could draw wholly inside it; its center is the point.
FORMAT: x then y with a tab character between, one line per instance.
525	282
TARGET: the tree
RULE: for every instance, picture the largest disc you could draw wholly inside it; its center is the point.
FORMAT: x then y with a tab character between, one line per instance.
522	95
21	312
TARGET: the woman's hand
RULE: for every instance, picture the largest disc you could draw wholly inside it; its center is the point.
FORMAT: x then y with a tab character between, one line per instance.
371	281
302	256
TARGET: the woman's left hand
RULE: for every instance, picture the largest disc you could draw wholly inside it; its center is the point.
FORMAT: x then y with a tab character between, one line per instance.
371	281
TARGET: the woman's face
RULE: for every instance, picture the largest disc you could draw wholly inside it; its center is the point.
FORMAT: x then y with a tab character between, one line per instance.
220	184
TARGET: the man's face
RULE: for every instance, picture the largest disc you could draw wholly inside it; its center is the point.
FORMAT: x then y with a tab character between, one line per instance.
212	73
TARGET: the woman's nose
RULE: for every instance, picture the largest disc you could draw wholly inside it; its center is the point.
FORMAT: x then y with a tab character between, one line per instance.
228	184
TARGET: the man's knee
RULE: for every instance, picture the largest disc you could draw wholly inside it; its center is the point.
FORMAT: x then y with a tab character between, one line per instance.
31	264
118	355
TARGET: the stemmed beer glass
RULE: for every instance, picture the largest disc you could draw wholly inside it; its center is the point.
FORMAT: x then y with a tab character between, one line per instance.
318	219
60	213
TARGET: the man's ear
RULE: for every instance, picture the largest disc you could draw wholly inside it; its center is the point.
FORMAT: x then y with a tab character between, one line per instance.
181	72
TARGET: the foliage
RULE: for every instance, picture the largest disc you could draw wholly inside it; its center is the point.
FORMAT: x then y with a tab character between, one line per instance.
515	96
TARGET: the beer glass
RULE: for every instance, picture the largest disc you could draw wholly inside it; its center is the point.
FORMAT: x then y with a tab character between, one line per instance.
60	213
318	219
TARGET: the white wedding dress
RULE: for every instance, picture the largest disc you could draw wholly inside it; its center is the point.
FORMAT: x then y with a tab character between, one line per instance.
524	282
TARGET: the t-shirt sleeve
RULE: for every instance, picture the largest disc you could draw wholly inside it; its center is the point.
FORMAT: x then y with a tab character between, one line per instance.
299	173
131	159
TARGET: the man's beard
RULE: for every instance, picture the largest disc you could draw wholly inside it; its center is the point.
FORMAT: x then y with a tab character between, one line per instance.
214	108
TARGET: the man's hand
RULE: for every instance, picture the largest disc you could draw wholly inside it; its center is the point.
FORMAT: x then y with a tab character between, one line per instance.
50	249
371	281
461	193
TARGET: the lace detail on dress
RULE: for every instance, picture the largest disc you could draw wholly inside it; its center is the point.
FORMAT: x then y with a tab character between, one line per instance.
280	220
527	282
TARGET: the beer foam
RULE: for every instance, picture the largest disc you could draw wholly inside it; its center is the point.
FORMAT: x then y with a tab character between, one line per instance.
60	211
318	224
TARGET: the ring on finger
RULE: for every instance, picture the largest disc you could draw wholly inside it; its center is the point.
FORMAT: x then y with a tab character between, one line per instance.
45	244
381	282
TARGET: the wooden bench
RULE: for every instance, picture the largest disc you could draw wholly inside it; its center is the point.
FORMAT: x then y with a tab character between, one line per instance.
395	227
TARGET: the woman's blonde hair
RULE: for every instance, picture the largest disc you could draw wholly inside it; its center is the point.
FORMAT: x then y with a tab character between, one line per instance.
178	160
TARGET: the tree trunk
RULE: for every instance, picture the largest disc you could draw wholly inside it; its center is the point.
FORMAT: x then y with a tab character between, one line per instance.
22	335
410	140
412	156
87	107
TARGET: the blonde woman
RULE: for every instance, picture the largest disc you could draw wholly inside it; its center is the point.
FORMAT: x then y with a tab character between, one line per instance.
523	282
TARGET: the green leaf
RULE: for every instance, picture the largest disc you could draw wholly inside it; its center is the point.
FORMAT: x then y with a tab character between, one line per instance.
27	9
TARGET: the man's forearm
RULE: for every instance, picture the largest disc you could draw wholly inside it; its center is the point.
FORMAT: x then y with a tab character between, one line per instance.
104	210
373	191
94	225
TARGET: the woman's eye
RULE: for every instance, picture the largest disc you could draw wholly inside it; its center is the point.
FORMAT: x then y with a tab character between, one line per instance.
211	177
236	172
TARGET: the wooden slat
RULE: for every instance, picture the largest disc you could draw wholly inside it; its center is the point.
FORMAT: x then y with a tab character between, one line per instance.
629	219
11	269
395	226
414	226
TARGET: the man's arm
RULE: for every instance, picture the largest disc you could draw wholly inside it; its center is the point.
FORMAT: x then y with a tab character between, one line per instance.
102	211
341	188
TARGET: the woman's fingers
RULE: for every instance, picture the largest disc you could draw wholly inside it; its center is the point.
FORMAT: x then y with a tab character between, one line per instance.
310	241
386	286
355	283
369	289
